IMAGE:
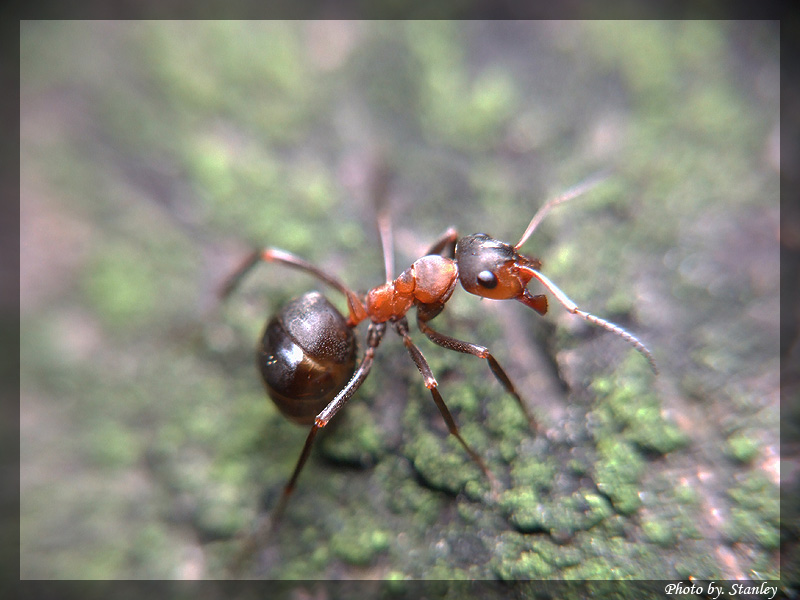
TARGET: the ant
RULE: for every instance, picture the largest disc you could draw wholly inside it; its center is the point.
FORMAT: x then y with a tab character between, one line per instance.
307	354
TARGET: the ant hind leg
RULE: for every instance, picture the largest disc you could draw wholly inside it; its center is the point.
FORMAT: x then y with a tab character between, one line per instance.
269	524
282	257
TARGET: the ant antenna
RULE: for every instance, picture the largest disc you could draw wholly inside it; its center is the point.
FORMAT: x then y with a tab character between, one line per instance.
385	231
380	178
607	325
571	193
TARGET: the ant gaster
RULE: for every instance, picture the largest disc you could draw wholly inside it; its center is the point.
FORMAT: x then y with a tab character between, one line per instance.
307	355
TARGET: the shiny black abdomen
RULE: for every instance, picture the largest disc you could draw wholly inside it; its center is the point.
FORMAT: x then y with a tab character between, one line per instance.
306	356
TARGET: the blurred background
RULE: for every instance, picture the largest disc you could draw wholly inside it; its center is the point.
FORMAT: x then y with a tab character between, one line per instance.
155	155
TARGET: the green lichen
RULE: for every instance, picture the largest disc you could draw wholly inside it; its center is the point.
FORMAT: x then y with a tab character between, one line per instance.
462	397
442	571
592	508
507	424
529	565
121	287
408	497
652	433
516	559
742	448
745	526
560	517
441	464
651	69
686	494
467	111
355	438
756	492
473	512
113	445
628	402
359	546
534	472
525	510
658	531
395	576
218	515
617	473
756	514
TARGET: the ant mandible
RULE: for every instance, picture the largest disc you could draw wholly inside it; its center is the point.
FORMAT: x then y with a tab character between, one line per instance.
307	354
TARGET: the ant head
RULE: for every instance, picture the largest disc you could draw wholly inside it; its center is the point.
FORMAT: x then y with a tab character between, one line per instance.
492	269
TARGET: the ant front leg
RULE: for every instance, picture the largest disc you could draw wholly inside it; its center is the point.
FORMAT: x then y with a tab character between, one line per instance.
445	245
401	326
451	343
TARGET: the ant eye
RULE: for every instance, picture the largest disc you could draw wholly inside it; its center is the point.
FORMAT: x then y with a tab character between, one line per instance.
487	279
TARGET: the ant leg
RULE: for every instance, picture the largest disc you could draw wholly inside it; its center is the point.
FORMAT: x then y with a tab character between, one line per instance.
269	525
235	279
445	245
401	326
451	343
275	255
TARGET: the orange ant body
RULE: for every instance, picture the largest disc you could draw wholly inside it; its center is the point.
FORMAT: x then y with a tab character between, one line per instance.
307	355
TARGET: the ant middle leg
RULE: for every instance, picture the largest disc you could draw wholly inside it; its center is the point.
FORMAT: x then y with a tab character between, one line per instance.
401	326
451	343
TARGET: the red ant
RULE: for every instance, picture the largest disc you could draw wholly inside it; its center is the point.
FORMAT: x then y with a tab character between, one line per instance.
307	355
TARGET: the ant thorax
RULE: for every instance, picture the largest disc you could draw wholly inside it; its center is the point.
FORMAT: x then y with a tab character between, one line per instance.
429	280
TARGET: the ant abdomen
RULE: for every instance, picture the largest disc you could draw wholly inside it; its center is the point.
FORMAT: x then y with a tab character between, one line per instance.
306	356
